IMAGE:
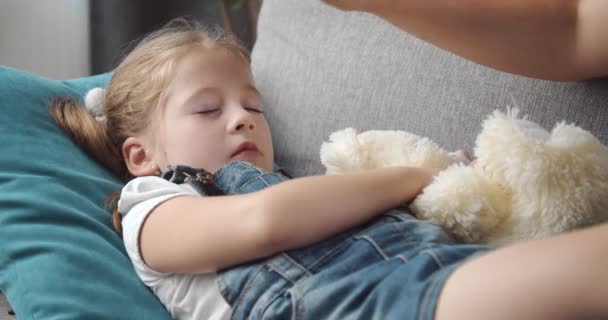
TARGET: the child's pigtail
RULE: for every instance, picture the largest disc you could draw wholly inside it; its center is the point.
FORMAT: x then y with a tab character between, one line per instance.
135	95
112	203
91	135
88	133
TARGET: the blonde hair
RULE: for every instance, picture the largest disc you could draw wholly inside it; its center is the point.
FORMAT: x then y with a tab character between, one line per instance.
136	90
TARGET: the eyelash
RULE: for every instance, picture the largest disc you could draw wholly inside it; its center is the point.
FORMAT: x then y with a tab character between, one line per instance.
208	111
254	110
248	109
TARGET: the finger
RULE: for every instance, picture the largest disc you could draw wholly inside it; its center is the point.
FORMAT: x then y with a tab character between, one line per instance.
341	4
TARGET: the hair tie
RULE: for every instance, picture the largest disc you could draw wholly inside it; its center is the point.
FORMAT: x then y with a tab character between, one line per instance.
93	102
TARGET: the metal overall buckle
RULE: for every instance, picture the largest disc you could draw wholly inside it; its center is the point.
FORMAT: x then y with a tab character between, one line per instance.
201	179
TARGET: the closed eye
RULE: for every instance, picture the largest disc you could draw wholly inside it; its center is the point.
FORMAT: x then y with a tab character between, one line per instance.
254	110
210	111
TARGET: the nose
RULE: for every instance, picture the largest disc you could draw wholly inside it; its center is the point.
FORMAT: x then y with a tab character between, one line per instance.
242	126
242	120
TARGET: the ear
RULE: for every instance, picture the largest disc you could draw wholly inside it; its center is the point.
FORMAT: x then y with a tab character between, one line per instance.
138	158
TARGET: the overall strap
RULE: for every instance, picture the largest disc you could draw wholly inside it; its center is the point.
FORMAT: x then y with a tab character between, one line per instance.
202	180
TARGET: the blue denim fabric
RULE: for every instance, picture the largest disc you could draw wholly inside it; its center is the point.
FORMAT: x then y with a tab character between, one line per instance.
391	268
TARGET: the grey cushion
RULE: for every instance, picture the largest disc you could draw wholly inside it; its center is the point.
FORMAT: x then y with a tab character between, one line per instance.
320	70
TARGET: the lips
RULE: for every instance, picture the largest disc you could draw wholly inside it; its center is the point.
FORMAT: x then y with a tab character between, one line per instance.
245	147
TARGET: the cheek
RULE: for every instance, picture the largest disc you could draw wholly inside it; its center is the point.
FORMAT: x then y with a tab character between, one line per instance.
267	140
188	143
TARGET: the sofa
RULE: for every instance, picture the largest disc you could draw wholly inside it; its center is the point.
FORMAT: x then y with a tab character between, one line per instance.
318	69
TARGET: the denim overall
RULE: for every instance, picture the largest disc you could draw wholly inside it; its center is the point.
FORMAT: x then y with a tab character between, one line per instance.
394	267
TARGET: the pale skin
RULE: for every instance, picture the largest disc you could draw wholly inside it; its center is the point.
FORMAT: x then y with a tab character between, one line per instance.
212	104
562	277
212	107
548	39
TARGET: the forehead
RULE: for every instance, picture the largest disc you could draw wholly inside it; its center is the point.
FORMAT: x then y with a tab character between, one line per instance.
215	64
201	67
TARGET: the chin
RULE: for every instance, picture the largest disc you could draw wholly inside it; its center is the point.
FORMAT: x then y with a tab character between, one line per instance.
258	162
268	168
263	166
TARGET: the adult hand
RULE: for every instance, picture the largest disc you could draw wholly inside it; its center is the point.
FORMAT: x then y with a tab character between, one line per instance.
340	4
549	39
349	5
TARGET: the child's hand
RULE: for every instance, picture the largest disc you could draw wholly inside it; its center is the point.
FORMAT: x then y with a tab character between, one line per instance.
431	173
459	156
425	176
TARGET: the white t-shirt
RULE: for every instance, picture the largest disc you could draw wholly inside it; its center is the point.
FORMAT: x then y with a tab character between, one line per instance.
186	296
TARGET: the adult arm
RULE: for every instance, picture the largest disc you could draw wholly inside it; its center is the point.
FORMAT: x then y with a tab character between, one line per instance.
549	39
559	277
203	234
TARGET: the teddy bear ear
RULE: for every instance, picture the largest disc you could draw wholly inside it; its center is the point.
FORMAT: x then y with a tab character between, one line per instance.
570	137
502	132
343	135
532	130
528	128
343	152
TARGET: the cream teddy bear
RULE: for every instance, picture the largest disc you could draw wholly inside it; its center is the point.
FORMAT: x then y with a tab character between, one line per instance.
525	183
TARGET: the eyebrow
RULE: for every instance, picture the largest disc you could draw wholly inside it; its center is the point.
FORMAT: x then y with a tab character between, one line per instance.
203	90
252	88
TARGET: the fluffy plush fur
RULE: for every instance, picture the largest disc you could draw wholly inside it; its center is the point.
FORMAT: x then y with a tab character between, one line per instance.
526	182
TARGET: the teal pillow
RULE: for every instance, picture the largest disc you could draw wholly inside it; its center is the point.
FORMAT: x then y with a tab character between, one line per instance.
59	256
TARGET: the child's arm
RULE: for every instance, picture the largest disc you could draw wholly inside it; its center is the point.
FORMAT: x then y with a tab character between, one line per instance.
202	234
552	39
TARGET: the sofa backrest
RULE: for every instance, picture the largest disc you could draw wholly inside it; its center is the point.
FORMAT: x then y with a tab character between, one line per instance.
320	70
